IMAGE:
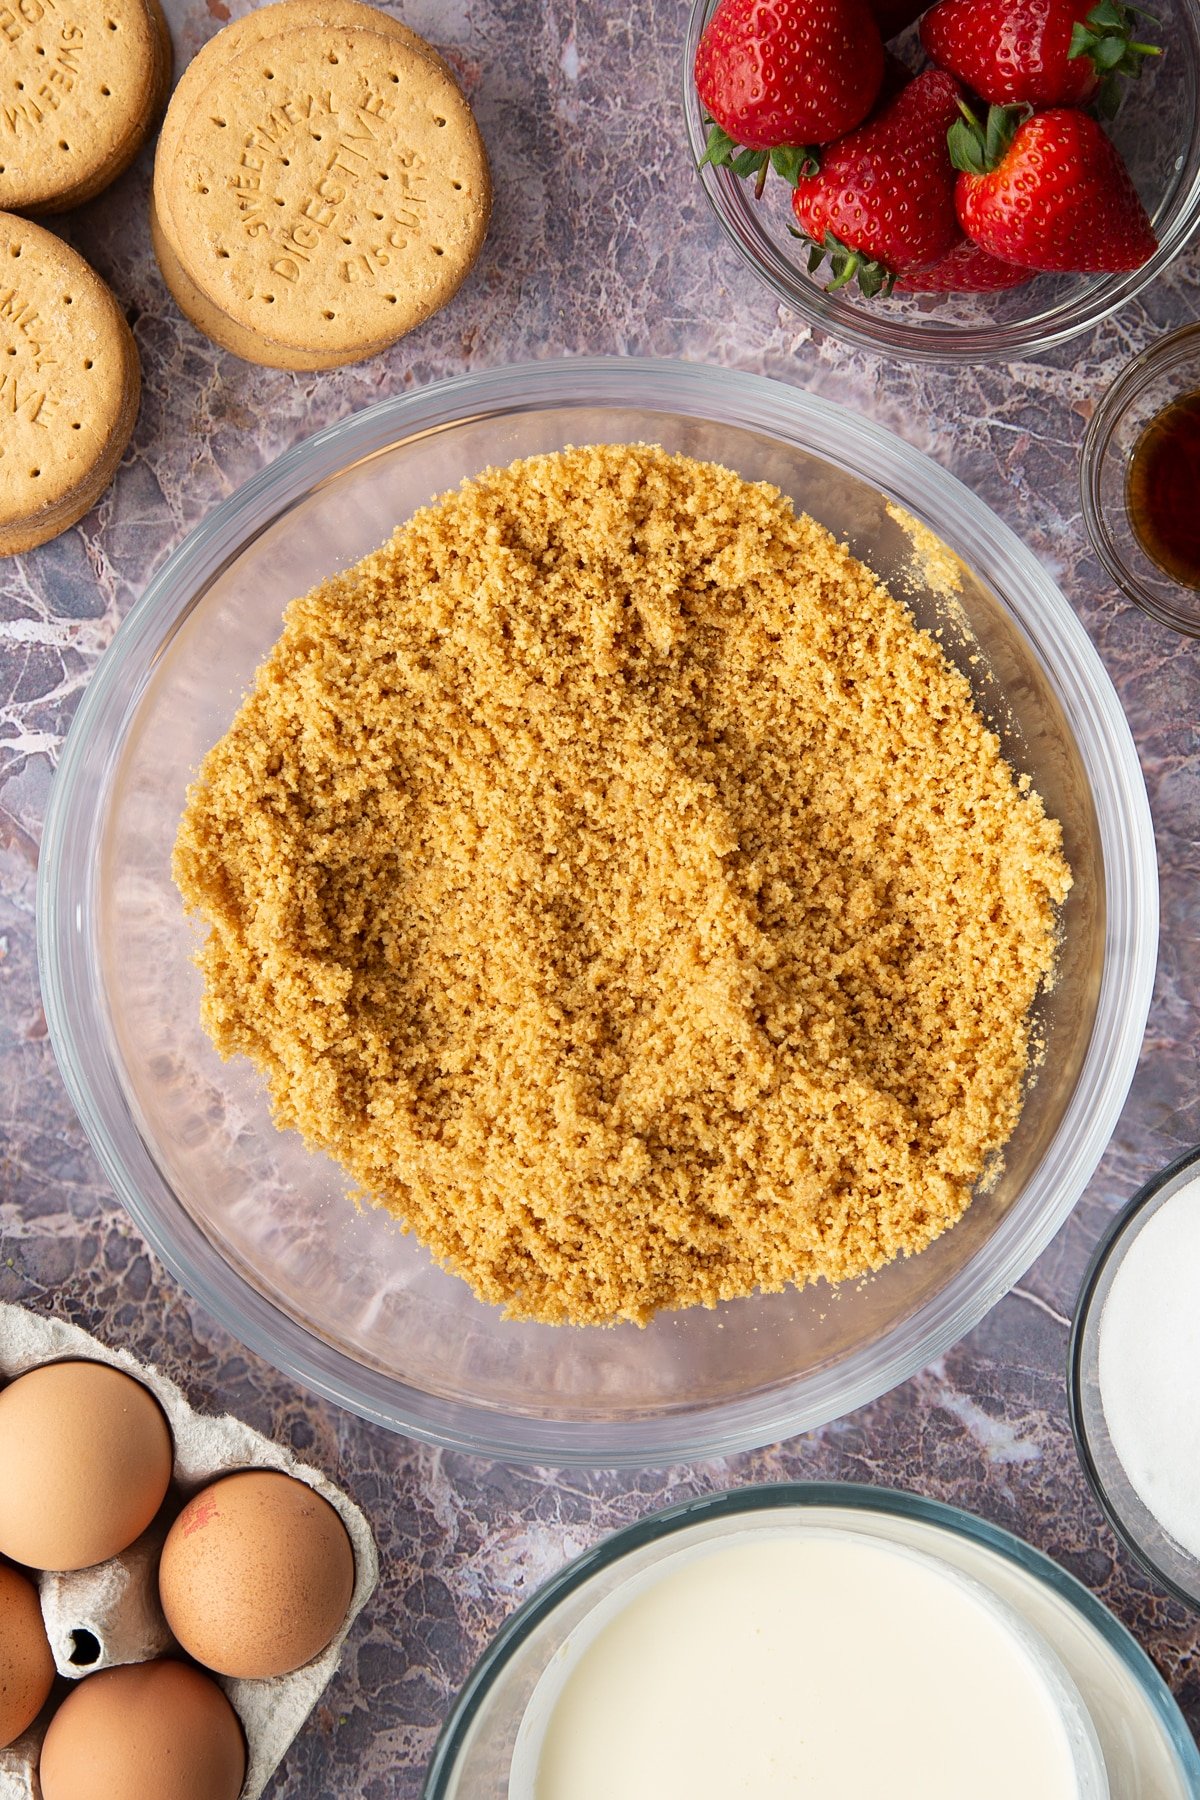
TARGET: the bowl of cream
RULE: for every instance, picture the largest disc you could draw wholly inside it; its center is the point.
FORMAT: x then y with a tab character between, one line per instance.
1134	1376
907	1677
813	1639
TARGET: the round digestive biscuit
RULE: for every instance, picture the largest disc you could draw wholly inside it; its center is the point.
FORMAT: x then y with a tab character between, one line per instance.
69	385
254	28
97	179
333	191
80	81
207	318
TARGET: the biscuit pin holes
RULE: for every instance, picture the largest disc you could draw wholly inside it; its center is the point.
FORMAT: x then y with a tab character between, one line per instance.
81	84
70	384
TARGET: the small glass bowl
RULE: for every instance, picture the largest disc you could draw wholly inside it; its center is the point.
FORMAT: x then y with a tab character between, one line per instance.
1165	372
1157	131
1162	1558
1144	1741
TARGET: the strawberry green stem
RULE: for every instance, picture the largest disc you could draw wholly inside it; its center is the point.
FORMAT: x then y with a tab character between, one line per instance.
1105	38
847	266
978	149
790	161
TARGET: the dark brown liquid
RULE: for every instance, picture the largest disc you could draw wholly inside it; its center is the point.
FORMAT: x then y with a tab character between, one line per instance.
1163	490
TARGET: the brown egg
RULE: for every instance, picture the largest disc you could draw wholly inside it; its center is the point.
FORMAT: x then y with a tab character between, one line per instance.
26	1665
86	1455
146	1731
256	1575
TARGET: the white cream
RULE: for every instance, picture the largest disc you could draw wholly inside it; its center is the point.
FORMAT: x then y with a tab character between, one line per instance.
1148	1361
808	1664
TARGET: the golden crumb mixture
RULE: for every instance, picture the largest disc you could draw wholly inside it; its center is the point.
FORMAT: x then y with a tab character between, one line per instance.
612	878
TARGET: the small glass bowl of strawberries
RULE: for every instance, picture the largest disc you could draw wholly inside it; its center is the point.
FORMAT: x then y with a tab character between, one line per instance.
970	180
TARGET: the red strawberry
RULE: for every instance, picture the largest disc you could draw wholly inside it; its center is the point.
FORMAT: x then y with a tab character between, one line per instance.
964	270
1043	52
788	72
1048	191
883	199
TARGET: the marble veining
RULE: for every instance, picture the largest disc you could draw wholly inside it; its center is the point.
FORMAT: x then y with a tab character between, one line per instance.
601	242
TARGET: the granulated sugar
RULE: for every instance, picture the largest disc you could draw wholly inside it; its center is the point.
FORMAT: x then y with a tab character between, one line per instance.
1149	1365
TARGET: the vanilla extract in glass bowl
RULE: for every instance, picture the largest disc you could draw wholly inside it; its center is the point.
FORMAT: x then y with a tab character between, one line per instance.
1162	489
1140	480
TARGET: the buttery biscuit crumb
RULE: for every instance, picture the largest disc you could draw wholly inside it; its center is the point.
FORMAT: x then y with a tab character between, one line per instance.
934	565
613	879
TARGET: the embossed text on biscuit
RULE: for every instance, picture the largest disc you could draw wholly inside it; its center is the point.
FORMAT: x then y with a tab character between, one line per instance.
21	16
359	132
60	72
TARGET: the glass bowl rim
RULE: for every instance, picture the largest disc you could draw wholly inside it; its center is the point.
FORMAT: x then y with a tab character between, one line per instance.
664	1522
1123	1231
950	344
1125	387
1072	665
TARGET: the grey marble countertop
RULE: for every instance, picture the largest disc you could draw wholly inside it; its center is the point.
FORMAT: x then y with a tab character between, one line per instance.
601	242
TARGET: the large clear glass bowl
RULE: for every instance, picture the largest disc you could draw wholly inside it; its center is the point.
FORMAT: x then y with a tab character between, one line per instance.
1147	1749
261	1232
1157	131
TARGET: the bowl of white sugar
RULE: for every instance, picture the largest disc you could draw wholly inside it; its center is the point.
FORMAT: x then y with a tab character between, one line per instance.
1134	1376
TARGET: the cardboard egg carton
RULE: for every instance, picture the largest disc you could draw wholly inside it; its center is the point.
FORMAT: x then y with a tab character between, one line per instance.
110	1614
